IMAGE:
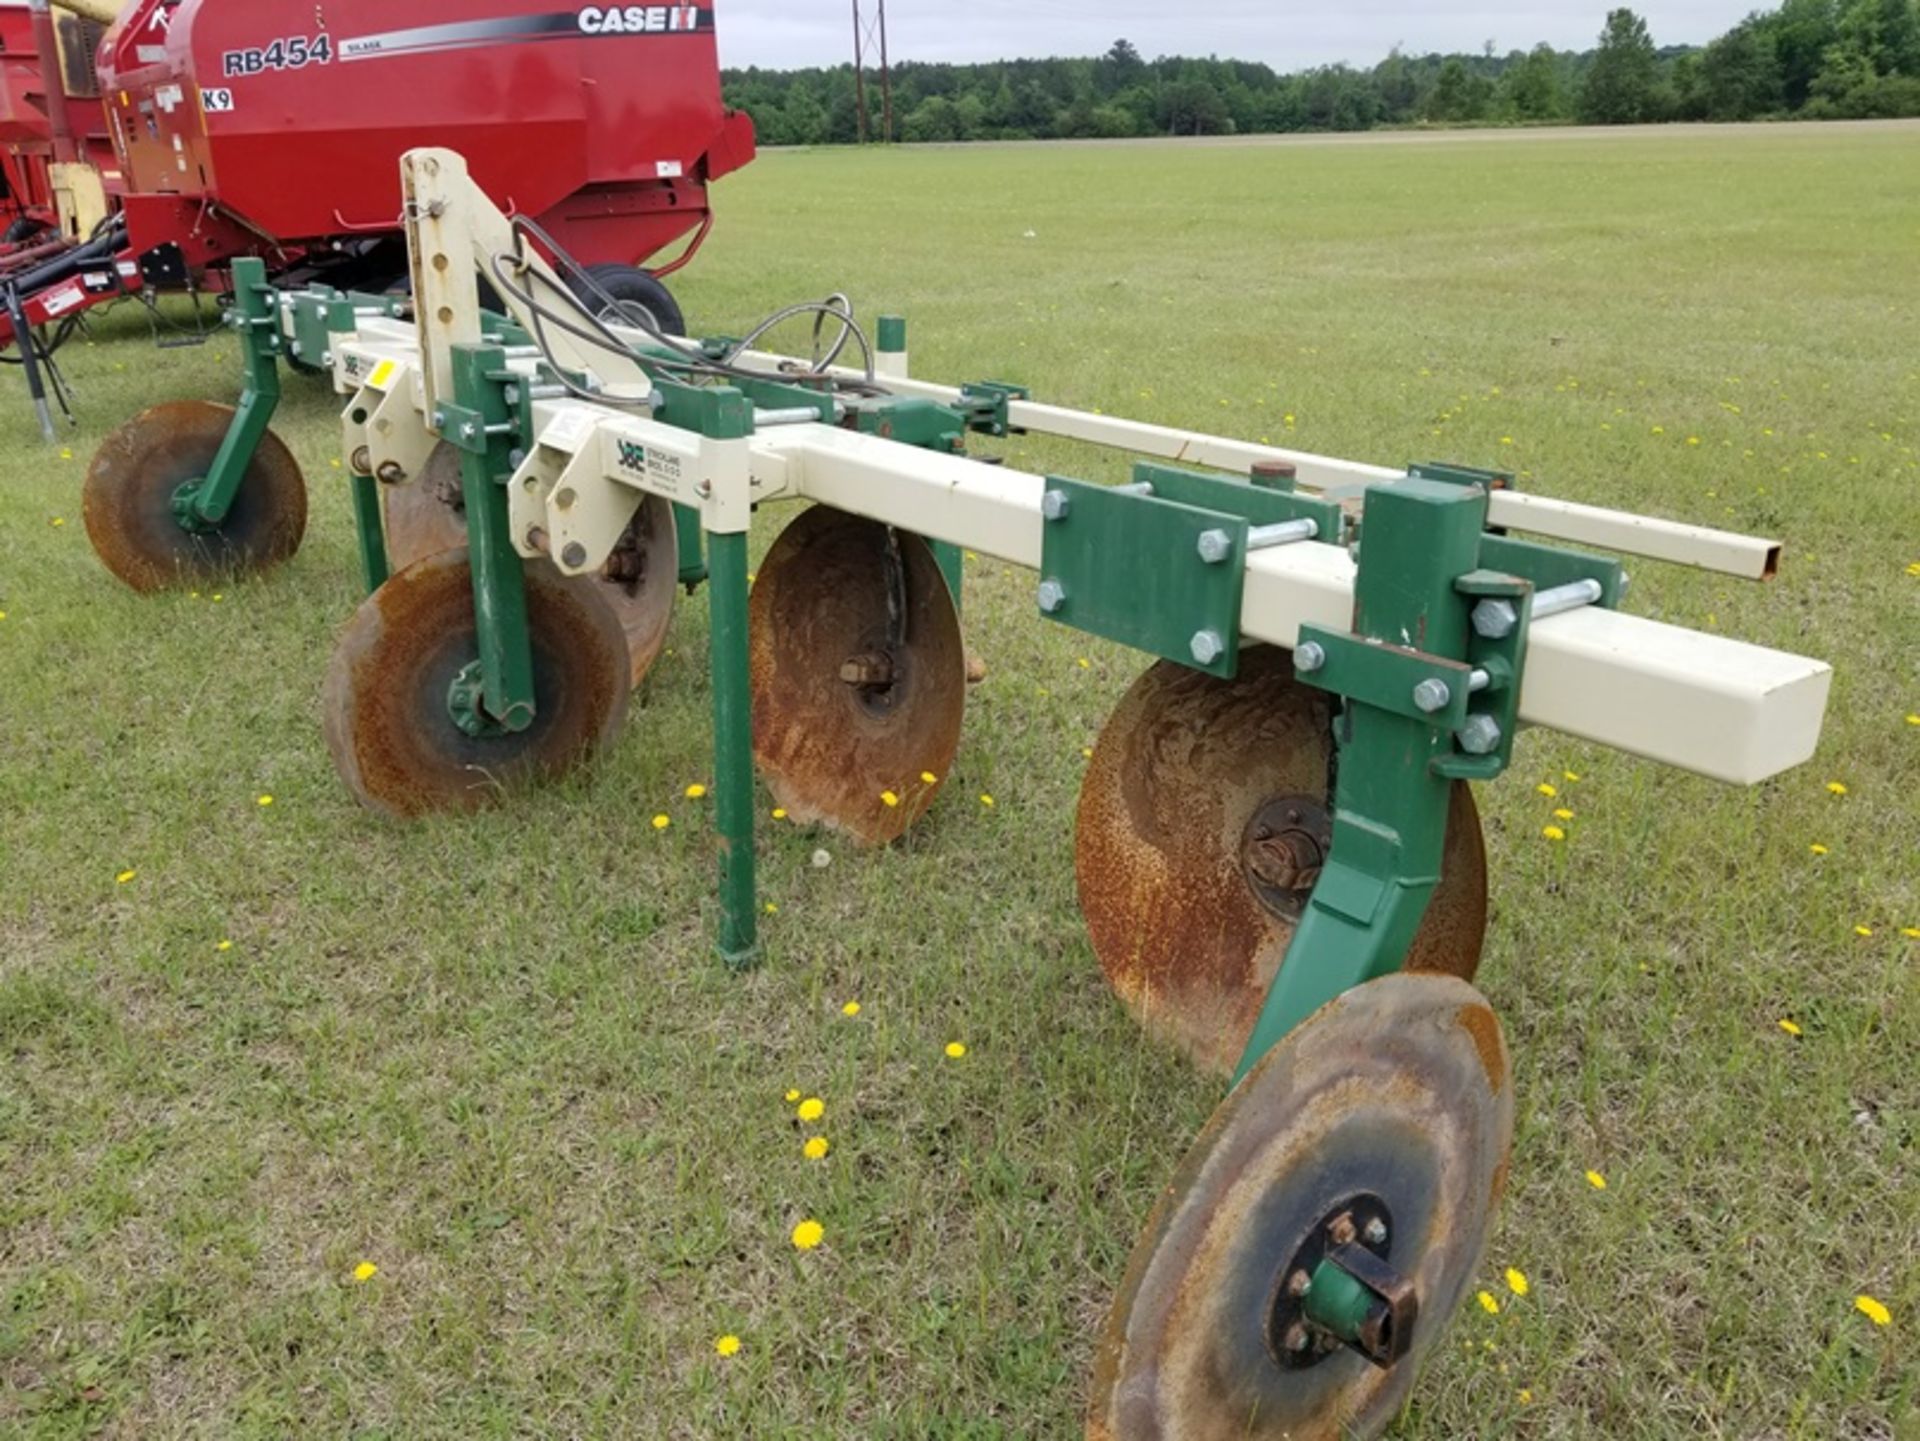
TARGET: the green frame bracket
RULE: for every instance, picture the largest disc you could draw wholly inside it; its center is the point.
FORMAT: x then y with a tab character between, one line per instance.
693	556
738	941
202	504
496	692
984	404
1392	794
1160	565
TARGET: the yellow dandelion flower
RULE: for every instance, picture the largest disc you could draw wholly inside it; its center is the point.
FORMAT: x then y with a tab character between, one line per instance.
1817	849
660	823
1571	775
779	813
792	1096
1838	788
1912	933
816	1148
124	877
1086	752
1488	1304
218	597
1792	1028
1553	833
223	945
929	778
956	1050
727	1345
1659	430
808	1234
1912	720
1873	1310
772	909
1865	931
1548	789
365	1271
851	1008
889	799
812	1109
1693	440
58	521
1596	1180
1085	664
1563	814
66	454
1506	440
1525	1396
1517	1281
265	801
696	791
986	800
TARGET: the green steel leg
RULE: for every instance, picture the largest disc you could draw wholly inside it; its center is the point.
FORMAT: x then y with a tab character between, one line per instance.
367	527
733	750
204	504
952	561
1390	807
499	583
686	529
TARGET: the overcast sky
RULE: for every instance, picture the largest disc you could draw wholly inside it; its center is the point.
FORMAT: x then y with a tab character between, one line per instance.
788	33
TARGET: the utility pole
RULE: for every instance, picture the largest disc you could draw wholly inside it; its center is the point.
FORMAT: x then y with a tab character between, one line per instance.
866	38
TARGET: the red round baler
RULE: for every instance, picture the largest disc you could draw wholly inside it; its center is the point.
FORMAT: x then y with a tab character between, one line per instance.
275	127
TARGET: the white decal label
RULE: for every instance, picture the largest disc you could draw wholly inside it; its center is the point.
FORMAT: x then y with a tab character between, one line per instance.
216	102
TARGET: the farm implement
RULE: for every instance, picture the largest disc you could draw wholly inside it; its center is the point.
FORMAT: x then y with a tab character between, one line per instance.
1278	852
272	129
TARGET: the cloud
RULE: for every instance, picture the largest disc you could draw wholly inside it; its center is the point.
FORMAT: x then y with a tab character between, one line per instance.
1287	36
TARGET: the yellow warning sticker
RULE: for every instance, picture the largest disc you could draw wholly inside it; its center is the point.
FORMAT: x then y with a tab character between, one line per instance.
382	375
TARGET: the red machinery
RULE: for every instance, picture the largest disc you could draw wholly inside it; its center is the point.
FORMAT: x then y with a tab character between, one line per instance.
36	101
275	127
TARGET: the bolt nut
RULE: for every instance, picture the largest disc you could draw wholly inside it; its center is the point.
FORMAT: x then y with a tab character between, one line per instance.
1055	504
1052	595
1215	546
1480	736
1207	647
1375	1232
516	457
1495	619
1432	694
574	556
1309	656
1299	1283
1297	1338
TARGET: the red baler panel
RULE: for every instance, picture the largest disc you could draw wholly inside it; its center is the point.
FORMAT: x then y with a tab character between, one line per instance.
294	117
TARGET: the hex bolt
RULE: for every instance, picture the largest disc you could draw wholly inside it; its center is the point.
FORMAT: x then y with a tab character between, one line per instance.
1299	1283
1215	546
1055	504
1376	1232
1432	694
1309	656
1564	598
1288	532
1478	681
1495	619
1139	487
1480	736
1053	595
574	556
516	457
1297	1337
1207	647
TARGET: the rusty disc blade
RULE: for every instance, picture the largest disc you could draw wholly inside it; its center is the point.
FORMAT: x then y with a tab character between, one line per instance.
384	707
424	513
859	674
128	500
425	516
1398	1092
1204	818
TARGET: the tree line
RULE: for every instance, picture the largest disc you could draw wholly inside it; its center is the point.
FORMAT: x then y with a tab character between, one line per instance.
1809	59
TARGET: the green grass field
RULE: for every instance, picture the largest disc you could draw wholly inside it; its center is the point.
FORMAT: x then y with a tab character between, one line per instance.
245	1048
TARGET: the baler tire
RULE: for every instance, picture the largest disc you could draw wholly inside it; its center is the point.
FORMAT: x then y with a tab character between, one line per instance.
631	285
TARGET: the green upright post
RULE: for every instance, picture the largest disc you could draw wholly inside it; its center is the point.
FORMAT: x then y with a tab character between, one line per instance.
686	530
478	422
952	561
367	529
256	316
1390	803
733	749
